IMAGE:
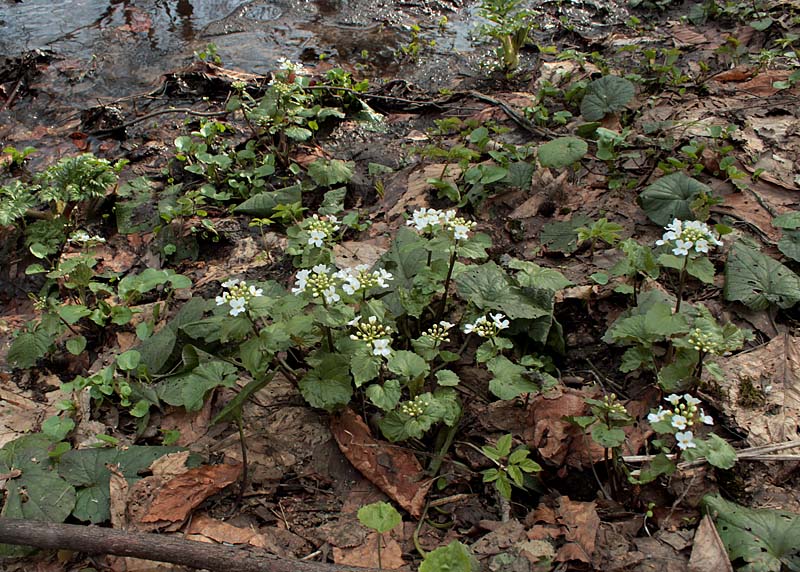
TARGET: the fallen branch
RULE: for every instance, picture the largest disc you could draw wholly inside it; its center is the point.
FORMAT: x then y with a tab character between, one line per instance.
760	453
213	557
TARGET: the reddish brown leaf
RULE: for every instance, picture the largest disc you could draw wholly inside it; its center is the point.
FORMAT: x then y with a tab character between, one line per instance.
394	470
176	499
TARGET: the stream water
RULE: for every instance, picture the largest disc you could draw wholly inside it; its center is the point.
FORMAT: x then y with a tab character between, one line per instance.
122	46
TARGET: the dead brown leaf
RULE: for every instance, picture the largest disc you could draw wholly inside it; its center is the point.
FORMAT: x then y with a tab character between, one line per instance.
708	552
219	531
394	470
366	555
177	497
763	391
581	522
563	443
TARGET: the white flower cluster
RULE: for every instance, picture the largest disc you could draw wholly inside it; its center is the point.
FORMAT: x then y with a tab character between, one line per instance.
238	295
319	282
438	332
486	328
84	238
378	335
429	221
685	236
359	278
290	66
685	414
415	407
320	229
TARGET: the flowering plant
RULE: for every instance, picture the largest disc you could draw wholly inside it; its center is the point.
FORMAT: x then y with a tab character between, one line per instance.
688	237
681	421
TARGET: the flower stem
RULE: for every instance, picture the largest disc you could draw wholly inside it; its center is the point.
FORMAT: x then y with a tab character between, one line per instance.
447	284
681	284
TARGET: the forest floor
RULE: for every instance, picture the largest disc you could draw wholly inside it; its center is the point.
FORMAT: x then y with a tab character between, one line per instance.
149	434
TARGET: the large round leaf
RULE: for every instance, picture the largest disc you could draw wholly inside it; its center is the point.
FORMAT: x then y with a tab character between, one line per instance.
671	197
758	280
562	152
608	94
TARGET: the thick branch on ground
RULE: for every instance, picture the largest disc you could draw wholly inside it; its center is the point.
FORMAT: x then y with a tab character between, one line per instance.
162	548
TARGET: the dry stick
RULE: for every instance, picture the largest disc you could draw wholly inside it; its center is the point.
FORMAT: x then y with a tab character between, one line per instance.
760	453
213	557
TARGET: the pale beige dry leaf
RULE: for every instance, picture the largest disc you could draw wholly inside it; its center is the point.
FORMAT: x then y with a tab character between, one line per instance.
708	553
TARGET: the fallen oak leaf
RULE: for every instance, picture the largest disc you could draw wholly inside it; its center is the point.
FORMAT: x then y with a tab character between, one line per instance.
180	495
394	470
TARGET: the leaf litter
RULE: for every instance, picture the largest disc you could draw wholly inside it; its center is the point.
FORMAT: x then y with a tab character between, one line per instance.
758	397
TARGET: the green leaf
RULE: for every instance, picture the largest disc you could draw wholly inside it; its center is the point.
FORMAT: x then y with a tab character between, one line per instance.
671	197
503	445
561	235
758	280
333	201
263	204
76	345
446	378
73	313
129	360
327	173
385	396
488	287
28	347
562	152
509	381
605	95
608	437
379	516
455	557
407	364
503	486
520	174
296	133
789	244
87	468
717	452
157	349
328	385
534	276
189	389
660	465
789	220
766	540
57	427
364	366
233	408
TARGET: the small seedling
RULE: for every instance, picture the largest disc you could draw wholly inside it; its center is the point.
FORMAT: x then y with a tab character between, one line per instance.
510	467
380	517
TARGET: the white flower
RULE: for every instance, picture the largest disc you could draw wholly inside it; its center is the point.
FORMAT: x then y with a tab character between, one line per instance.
446	325
255	291
499	321
237	306
301	281
685	440
316	238
657	416
382	277
684	236
230	283
707	419
381	347
682	247
320	269
674	399
691	400
461	232
330	295
679	422
222	299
